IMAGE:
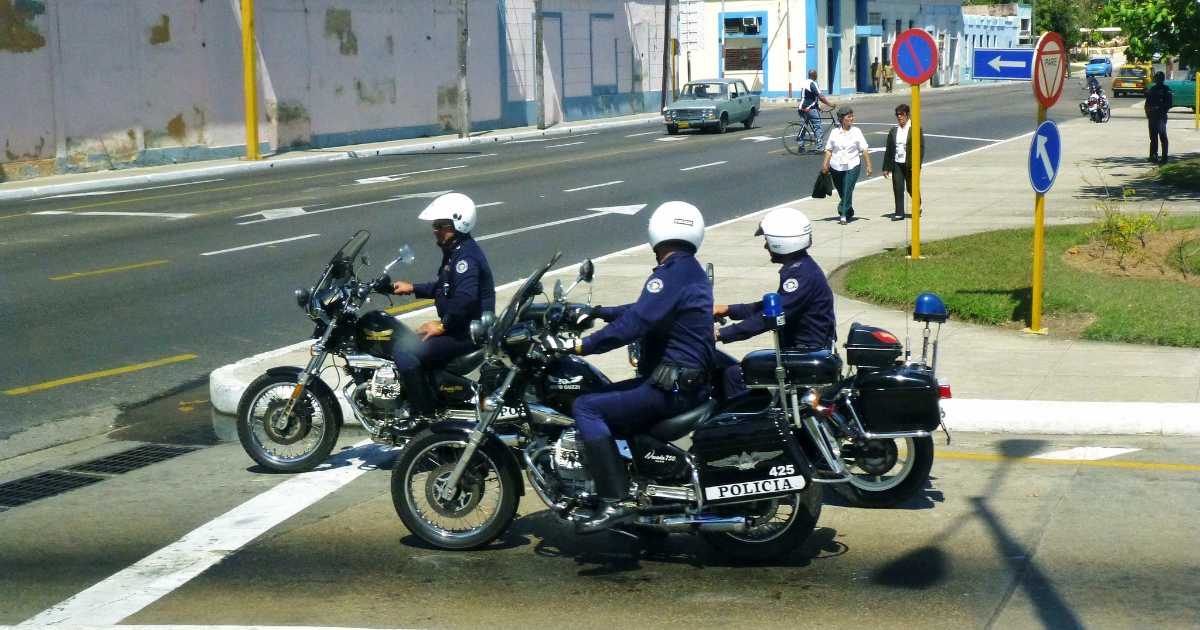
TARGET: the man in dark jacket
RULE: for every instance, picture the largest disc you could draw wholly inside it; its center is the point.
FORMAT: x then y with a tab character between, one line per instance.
897	158
1159	101
804	292
463	291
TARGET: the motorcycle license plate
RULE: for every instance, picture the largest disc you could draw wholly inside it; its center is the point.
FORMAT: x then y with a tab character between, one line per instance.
684	125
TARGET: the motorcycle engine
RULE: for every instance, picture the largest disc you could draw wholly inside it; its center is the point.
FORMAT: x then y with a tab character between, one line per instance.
384	391
571	466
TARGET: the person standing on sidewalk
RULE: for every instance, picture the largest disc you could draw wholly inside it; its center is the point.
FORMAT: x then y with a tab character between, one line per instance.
889	75
1159	101
844	152
896	163
876	75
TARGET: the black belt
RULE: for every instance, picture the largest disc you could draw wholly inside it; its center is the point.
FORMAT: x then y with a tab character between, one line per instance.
675	378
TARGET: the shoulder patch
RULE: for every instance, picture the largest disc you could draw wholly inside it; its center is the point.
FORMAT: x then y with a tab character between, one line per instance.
655	285
461	266
790	285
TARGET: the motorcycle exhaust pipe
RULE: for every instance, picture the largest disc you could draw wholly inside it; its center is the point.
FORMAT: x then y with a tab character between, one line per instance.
736	524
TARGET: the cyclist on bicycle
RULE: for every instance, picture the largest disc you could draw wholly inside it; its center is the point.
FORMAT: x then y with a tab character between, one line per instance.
810	103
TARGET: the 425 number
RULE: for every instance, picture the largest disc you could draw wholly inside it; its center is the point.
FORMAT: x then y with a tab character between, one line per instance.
782	471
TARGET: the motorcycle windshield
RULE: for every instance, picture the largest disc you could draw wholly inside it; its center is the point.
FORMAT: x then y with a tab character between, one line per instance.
520	300
341	267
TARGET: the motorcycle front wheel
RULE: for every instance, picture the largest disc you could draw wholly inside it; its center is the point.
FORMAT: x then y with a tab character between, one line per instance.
777	527
887	473
281	443
477	513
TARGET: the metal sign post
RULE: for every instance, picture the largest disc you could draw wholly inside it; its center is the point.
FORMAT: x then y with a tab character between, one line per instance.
250	72
1049	73
914	57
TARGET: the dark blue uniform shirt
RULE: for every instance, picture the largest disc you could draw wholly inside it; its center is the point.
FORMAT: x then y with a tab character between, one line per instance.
807	306
464	289
672	317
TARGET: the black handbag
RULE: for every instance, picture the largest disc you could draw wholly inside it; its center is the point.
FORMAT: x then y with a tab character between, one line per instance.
823	186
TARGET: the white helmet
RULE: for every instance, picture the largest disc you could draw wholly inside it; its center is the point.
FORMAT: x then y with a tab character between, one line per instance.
456	207
677	221
787	231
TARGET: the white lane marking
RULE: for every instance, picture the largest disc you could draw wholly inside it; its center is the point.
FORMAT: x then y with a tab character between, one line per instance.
304	213
485	205
237	249
555	146
644	133
541	226
274	213
877	150
626	210
671	138
149	579
692	168
1086	453
761	138
164	215
619	181
117	192
530	140
399	176
424	195
934	135
471	157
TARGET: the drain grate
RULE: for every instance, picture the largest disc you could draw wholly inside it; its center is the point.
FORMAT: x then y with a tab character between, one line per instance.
42	485
133	459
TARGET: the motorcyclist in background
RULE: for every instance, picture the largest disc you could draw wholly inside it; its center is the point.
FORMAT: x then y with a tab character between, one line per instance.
673	319
810	323
464	290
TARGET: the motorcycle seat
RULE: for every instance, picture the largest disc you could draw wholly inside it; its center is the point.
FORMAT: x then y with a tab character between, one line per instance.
674	428
465	364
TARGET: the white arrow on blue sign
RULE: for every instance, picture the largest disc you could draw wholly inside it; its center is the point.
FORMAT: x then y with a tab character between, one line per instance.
1044	153
1006	64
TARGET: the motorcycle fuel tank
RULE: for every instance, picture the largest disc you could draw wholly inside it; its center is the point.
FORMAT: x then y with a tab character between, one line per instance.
567	378
377	331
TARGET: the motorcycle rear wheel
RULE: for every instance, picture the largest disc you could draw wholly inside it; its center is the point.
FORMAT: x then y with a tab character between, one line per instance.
480	511
296	444
780	526
890	478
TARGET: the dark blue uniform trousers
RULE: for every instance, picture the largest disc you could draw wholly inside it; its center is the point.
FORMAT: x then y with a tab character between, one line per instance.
430	354
630	404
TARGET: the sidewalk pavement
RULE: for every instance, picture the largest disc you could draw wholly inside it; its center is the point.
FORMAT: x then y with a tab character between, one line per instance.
1002	380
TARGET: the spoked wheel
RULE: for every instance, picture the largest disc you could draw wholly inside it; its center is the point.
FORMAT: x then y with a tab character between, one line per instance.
471	516
777	526
282	442
886	472
791	138
1105	114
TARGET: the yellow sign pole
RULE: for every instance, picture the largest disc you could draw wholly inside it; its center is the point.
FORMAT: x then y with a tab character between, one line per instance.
1039	252
916	170
250	68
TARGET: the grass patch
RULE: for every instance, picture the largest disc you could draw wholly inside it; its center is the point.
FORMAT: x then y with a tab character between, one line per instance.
1183	174
987	278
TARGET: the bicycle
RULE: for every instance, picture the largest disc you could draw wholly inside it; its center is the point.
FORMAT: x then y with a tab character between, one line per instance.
800	137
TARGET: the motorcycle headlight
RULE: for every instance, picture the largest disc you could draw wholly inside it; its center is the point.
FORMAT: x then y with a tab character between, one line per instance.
302	297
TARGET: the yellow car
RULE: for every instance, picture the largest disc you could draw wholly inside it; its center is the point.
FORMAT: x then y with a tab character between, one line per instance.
1131	79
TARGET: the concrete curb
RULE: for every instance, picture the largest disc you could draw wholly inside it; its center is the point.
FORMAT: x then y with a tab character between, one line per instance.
29	192
1071	417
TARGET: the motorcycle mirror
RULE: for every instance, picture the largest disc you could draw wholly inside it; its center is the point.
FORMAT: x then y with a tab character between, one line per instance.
365	260
587	270
406	254
558	290
712	277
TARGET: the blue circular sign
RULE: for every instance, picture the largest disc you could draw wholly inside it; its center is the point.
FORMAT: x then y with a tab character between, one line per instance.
1044	154
914	56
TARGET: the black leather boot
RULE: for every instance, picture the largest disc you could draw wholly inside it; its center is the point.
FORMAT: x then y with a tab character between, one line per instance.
607	467
422	401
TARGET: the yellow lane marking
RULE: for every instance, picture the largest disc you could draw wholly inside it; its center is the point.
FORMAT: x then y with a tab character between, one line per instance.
87	377
408	307
776	151
9	216
92	273
1070	462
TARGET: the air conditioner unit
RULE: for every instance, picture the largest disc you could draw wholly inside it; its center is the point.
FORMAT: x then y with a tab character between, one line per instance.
749	21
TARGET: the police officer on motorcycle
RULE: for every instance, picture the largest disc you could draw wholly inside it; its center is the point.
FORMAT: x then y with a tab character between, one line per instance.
672	318
810	324
464	290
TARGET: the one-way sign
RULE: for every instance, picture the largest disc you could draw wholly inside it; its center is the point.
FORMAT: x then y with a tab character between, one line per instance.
1006	64
1044	154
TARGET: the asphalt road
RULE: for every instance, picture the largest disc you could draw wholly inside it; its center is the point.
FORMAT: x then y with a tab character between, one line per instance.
99	282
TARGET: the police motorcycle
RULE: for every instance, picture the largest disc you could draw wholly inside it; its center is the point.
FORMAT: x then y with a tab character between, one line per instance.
288	419
743	484
869	432
1096	107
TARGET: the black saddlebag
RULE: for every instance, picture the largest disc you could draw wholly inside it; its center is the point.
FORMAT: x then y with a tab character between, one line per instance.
897	400
803	369
749	457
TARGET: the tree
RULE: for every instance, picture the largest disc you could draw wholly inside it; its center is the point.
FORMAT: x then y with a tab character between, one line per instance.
1169	27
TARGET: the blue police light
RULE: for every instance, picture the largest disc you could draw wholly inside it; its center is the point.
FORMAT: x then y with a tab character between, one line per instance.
772	307
930	308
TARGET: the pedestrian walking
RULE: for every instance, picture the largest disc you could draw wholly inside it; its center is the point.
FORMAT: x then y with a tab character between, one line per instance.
897	162
845	151
889	75
876	75
1159	101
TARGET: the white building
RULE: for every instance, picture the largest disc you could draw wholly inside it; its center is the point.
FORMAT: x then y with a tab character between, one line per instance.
994	26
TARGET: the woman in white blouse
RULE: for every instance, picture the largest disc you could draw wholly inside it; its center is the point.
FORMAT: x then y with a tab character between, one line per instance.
844	150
